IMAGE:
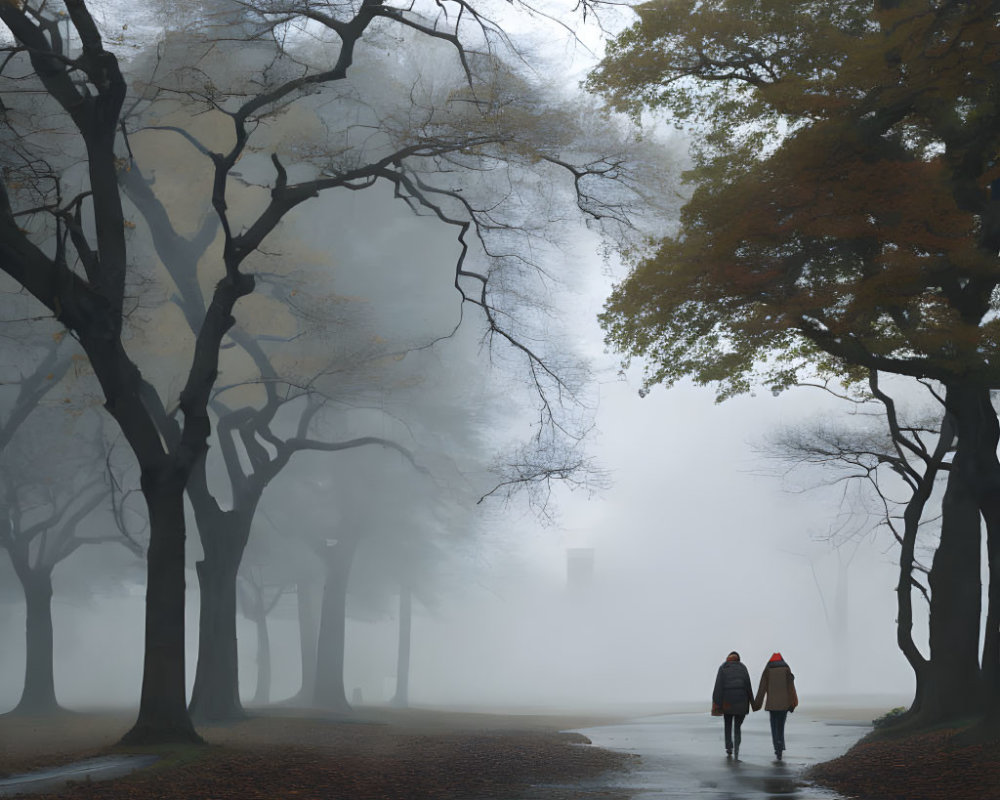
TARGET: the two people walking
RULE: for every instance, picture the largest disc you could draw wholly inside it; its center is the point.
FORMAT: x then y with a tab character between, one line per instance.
733	698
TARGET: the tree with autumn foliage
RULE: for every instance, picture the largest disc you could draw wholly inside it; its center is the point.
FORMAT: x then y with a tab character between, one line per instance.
843	216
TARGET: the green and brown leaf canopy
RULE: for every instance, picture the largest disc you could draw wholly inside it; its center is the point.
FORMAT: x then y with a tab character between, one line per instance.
843	210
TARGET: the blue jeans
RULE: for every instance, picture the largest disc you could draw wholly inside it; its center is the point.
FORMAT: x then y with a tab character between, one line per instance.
778	729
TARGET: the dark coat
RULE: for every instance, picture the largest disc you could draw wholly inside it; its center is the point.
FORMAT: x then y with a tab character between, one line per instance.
733	692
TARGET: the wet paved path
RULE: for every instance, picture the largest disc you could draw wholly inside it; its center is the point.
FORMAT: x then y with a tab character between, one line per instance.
56	778
683	756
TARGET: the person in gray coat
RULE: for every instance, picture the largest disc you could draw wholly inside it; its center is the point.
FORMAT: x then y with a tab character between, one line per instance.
732	699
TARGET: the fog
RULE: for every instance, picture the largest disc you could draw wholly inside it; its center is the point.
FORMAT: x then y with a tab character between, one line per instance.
698	548
690	543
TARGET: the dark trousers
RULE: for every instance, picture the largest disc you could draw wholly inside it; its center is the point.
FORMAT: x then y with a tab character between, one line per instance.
729	723
778	729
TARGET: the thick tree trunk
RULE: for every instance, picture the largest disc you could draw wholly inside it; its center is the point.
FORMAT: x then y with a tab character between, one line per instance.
983	473
308	639
39	694
402	696
262	696
954	679
215	696
163	714
216	693
953	674
329	692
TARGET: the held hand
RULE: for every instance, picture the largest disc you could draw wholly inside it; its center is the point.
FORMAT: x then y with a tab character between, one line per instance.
791	709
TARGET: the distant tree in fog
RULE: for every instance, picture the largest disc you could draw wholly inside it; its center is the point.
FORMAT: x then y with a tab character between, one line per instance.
49	510
257	599
370	521
34	368
398	567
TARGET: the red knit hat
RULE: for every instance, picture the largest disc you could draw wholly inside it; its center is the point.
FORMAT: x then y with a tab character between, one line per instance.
775	657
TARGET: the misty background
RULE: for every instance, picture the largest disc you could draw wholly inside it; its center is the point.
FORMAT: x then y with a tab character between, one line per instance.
625	592
698	547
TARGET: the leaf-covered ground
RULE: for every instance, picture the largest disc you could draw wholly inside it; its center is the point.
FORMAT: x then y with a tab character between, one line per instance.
927	766
382	755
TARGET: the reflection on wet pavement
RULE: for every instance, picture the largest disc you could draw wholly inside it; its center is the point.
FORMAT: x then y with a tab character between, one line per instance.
682	755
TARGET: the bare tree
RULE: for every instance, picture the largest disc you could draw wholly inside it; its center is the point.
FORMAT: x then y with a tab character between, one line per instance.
257	600
916	454
45	510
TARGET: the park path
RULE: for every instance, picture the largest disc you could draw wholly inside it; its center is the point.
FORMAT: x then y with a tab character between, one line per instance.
56	778
682	756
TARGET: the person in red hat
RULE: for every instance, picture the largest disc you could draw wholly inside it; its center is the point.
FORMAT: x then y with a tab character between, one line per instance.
731	699
777	684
